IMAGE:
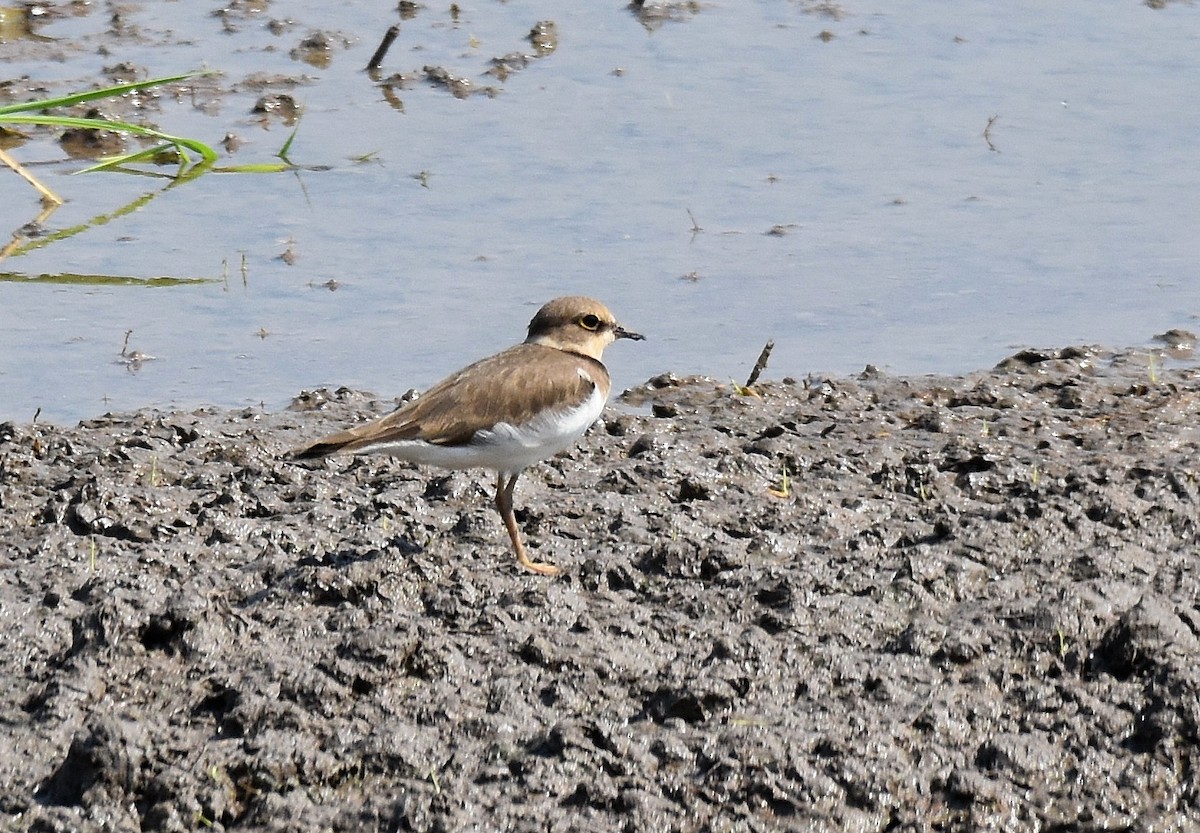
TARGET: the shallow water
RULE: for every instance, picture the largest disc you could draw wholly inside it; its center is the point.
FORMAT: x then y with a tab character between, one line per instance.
906	241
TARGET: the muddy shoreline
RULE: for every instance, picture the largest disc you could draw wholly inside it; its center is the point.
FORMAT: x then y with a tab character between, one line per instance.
970	606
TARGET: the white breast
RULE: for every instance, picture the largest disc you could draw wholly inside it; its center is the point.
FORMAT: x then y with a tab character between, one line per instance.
511	448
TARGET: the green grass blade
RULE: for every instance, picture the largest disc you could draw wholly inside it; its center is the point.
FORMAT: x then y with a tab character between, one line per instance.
119	126
92	95
287	146
73	278
137	156
256	168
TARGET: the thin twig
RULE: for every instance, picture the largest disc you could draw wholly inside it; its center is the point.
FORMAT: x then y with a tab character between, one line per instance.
987	134
761	364
389	37
20	241
48	196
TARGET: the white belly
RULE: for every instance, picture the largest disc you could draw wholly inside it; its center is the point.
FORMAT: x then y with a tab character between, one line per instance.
505	447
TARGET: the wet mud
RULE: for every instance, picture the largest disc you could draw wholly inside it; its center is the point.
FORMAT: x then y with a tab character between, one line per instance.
869	604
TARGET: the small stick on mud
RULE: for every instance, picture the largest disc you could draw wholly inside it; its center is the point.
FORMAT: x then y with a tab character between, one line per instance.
987	133
389	38
761	364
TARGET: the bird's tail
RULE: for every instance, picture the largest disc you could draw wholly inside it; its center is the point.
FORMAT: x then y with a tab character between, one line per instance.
313	451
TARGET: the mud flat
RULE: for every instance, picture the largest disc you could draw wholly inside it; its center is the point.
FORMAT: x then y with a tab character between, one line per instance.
971	606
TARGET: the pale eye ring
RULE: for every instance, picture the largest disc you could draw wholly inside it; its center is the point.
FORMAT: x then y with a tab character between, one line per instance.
589	322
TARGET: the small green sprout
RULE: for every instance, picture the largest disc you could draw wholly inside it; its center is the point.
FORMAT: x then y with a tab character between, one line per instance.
784	491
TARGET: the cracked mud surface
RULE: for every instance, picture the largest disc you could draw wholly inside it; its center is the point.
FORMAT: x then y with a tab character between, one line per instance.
973	607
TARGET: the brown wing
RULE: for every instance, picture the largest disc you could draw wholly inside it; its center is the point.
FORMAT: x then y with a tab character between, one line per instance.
511	387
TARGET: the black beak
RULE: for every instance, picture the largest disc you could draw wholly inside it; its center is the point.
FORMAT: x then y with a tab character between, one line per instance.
621	332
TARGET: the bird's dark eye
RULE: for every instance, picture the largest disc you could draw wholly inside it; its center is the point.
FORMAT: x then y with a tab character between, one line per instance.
589	322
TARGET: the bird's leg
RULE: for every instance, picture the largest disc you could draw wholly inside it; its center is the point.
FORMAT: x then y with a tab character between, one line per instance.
504	493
